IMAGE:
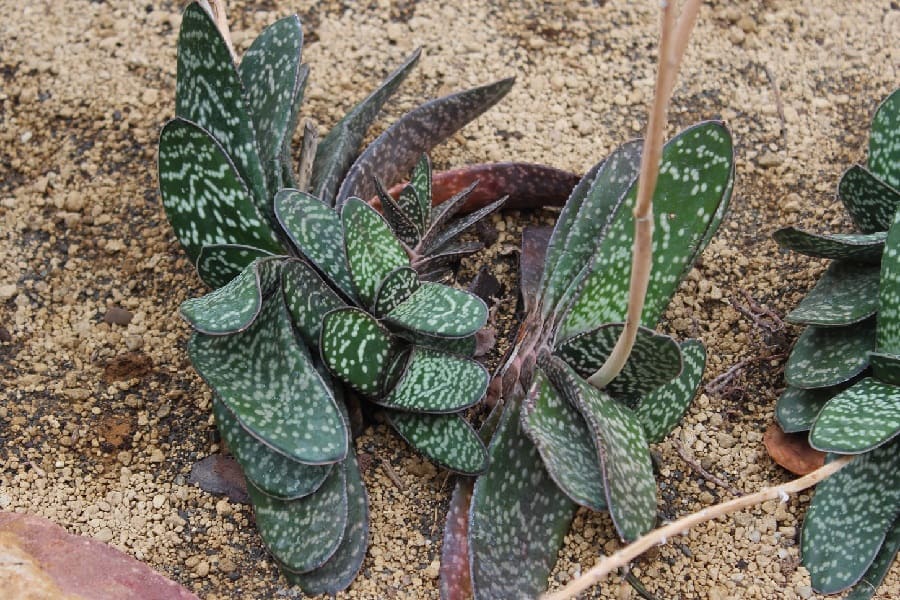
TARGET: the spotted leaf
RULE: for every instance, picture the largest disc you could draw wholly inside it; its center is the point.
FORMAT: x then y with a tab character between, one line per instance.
303	534
440	311
395	288
518	517
866	587
455	580
265	377
372	249
439	238
421	182
340	570
205	198
445	211
828	356
437	382
416	210
464	346
308	299
218	264
234	306
796	409
660	410
858	419
869	200
315	229
888	337
846	293
396	150
884	141
448	440
208	92
695	175
562	437
849	517
446	255
356	348
271	473
885	367
655	358
860	247
403	225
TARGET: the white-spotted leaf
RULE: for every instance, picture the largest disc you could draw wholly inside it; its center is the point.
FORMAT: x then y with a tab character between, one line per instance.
870	201
829	356
660	410
865	588
858	419
861	247
888	338
220	263
440	311
884	141
394	289
437	382
403	224
846	293
308	299
796	409
448	440
356	348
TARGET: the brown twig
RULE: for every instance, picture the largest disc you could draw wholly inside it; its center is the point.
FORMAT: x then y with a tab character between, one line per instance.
659	536
392	475
692	463
779	105
756	310
216	9
716	384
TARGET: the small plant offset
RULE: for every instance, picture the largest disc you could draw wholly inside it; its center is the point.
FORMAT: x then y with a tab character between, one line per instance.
843	374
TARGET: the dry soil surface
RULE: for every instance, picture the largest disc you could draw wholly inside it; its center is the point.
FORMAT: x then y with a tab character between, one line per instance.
100	422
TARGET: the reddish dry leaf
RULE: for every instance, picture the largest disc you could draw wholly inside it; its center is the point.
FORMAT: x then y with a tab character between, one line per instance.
531	262
221	475
455	579
792	450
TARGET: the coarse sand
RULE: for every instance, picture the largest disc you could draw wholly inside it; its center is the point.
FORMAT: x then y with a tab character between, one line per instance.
100	422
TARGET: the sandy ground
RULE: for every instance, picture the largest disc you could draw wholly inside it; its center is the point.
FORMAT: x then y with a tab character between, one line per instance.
100	423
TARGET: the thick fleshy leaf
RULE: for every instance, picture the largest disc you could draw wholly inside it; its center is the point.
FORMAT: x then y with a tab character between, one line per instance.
585	218
562	437
446	210
884	141
208	92
206	200
437	382
315	229
308	299
885	367
847	293
455	228
448	440
421	182
622	446
440	311
662	409
356	348
850	515
532	260
271	472
395	288
218	264
796	409
285	159
372	249
464	346
861	247
234	307
303	534
403	225
518	517
416	210
862	417
888	339
655	358
265	377
829	356
455	579
396	150
869	200
867	586
340	570
272	77
337	150
694	178
446	255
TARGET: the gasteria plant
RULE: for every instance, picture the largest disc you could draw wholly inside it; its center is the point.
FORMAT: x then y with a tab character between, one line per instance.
843	374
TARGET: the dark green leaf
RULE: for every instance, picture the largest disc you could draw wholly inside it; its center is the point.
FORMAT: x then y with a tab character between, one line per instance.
356	348
395	288
315	229
206	200
562	437
888	337
828	356
396	150
847	293
869	200
884	147
446	210
208	92
421	181
865	588
372	249
402	224
860	418
455	228
234	306
661	410
303	534
437	382
694	178
308	299
446	255
861	247
285	159
338	149
264	376
416	210
272	473
446	439
438	310
796	409
464	346
220	263
849	517
885	367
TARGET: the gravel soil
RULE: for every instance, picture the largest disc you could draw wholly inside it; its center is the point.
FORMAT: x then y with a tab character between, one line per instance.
101	414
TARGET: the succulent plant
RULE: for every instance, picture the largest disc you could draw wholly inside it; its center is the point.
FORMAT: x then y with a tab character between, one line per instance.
843	373
556	441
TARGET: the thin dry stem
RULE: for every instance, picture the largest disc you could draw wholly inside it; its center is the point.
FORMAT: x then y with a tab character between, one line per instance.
624	556
672	45
216	9
307	155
